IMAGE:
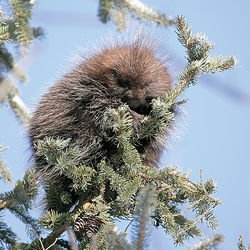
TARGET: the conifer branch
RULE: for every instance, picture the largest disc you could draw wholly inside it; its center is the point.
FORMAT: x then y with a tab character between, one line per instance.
117	10
7	236
22	11
209	243
104	10
241	245
199	60
116	240
172	187
15	29
145	207
19	200
144	12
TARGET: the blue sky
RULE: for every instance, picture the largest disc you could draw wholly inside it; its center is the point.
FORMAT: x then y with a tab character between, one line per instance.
213	132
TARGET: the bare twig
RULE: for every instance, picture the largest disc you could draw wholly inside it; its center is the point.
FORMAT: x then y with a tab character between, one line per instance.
129	224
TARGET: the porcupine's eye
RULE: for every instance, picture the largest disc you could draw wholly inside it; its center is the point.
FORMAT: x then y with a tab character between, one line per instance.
121	81
125	83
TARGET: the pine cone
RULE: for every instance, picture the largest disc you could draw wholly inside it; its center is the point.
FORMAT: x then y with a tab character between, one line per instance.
88	225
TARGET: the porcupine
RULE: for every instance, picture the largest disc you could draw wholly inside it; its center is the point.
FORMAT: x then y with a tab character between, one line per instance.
74	107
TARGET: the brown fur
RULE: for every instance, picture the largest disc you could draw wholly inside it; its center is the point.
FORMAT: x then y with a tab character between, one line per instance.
74	106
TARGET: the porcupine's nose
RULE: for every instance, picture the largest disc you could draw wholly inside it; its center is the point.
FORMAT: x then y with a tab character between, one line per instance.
140	105
136	98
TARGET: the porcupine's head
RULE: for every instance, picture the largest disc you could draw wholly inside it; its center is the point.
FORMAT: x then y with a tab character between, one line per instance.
131	72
